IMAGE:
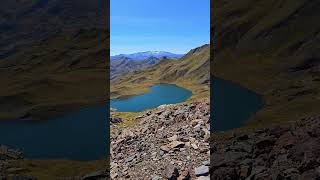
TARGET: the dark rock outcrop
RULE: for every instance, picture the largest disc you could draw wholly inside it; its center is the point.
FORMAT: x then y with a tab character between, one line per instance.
115	120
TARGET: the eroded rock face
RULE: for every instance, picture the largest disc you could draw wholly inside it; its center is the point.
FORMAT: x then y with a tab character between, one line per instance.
290	151
170	142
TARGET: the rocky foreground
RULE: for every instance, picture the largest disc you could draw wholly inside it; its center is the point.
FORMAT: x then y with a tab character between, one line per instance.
290	151
170	142
7	156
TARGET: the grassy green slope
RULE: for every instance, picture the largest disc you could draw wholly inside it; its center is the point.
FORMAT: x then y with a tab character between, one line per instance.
271	47
51	56
54	75
192	72
59	169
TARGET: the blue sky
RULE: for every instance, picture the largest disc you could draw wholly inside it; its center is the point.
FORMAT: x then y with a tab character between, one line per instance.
158	25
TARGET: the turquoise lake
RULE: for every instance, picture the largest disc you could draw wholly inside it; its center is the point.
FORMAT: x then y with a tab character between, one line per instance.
158	95
232	105
81	135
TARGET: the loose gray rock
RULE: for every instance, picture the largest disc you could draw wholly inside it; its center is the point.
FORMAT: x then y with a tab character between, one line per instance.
201	170
161	143
171	173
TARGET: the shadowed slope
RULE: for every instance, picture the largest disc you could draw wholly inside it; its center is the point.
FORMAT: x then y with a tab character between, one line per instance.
52	53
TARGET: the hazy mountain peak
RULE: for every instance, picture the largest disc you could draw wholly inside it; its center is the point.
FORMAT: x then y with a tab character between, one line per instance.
148	54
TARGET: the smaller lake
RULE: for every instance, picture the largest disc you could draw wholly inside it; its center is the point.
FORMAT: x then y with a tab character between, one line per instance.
158	95
232	105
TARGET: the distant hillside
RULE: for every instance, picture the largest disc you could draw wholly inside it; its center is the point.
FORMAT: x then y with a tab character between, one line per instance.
123	65
192	71
271	47
52	53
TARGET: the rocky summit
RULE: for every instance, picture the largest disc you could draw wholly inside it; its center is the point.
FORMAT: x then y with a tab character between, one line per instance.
169	142
286	151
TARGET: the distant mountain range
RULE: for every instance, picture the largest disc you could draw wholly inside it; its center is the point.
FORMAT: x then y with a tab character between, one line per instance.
148	54
123	63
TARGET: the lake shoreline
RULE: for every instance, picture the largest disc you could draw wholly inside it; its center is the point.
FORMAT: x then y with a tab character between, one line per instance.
51	112
144	92
120	97
159	88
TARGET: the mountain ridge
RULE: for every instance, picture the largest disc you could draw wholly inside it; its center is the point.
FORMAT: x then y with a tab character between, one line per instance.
148	54
124	65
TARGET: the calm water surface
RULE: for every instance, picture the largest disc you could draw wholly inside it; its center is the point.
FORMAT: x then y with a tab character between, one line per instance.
78	135
159	94
232	105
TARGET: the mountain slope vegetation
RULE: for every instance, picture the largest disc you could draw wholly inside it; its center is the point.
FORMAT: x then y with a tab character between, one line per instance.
51	56
271	47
